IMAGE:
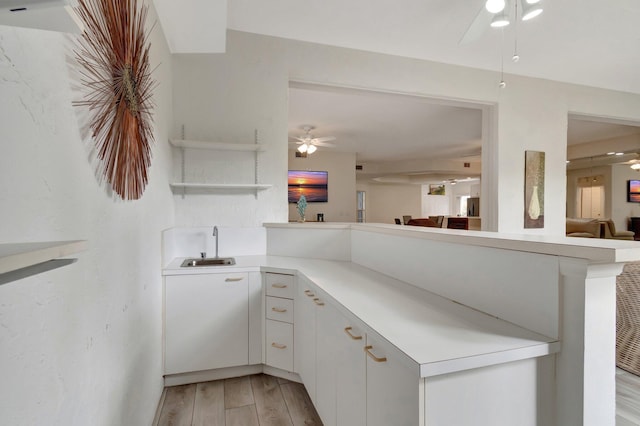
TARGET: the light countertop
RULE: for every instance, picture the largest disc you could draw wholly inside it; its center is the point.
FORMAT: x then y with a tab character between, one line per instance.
441	336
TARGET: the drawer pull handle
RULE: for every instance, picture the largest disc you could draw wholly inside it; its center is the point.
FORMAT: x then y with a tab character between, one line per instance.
348	331
368	348
279	345
318	302
280	310
309	293
231	280
279	285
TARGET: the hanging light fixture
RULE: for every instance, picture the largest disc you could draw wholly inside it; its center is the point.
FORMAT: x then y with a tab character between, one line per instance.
500	20
531	9
311	149
303	148
635	166
495	6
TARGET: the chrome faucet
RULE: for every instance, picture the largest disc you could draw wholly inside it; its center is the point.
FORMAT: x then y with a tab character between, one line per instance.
215	234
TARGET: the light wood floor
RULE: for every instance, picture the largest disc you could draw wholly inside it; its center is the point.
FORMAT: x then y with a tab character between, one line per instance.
262	400
627	399
258	400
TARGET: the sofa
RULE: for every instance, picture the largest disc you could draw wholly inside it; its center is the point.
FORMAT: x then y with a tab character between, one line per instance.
584	228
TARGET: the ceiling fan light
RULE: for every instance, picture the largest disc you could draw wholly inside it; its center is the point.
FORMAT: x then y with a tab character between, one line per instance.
635	166
530	11
532	1
303	148
500	21
311	149
495	6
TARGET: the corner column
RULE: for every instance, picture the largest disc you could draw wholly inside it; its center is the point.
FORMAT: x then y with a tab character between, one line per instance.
586	387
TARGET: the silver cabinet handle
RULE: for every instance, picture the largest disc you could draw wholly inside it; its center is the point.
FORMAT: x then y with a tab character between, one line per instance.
230	280
279	345
279	285
280	310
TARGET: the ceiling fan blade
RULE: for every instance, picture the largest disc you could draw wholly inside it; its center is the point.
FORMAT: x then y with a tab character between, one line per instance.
325	144
295	138
324	139
479	25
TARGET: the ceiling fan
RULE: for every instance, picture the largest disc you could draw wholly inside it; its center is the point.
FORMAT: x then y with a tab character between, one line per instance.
497	14
308	143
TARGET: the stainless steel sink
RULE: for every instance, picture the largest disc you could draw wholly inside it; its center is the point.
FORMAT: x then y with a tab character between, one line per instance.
209	261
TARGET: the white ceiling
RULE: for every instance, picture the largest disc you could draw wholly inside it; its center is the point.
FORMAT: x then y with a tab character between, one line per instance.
385	127
590	42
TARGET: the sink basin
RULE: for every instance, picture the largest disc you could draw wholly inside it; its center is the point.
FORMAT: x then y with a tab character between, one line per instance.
209	261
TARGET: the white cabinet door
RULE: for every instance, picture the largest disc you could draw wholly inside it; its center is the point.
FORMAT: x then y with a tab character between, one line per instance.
351	375
206	322
328	322
305	336
279	341
393	396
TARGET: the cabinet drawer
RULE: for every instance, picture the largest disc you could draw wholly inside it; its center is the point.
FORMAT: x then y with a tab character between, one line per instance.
279	342
280	285
280	309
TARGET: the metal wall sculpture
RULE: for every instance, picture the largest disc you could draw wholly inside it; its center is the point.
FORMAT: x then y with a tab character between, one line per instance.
114	59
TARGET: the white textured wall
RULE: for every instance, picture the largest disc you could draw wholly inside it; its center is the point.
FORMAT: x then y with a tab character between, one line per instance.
385	202
341	167
81	345
226	96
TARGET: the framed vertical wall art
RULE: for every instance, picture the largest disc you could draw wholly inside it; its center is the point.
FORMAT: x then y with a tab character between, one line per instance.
533	189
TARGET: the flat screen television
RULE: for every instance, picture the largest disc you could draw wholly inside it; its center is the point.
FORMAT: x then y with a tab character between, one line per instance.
313	185
633	193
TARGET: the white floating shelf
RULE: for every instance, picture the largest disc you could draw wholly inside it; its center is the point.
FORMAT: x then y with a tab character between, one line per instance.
214	186
50	15
21	260
220	146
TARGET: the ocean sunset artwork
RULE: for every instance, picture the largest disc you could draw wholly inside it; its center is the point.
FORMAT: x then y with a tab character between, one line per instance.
312	184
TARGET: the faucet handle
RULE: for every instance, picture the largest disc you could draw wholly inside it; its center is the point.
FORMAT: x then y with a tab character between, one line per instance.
203	254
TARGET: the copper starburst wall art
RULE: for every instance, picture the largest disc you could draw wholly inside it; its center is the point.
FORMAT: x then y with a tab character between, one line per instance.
113	55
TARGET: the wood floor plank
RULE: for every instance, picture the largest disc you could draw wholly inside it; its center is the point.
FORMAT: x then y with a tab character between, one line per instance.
627	397
270	404
299	404
237	392
208	409
177	409
242	416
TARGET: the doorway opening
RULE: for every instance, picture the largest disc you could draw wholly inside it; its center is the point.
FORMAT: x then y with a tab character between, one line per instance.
393	146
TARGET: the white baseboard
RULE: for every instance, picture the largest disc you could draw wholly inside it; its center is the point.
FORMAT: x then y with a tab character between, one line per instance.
227	373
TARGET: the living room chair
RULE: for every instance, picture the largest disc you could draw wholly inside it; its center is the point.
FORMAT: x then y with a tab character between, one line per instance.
398	222
406	219
438	220
610	232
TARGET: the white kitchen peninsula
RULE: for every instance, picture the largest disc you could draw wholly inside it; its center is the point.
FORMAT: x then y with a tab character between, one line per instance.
542	294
